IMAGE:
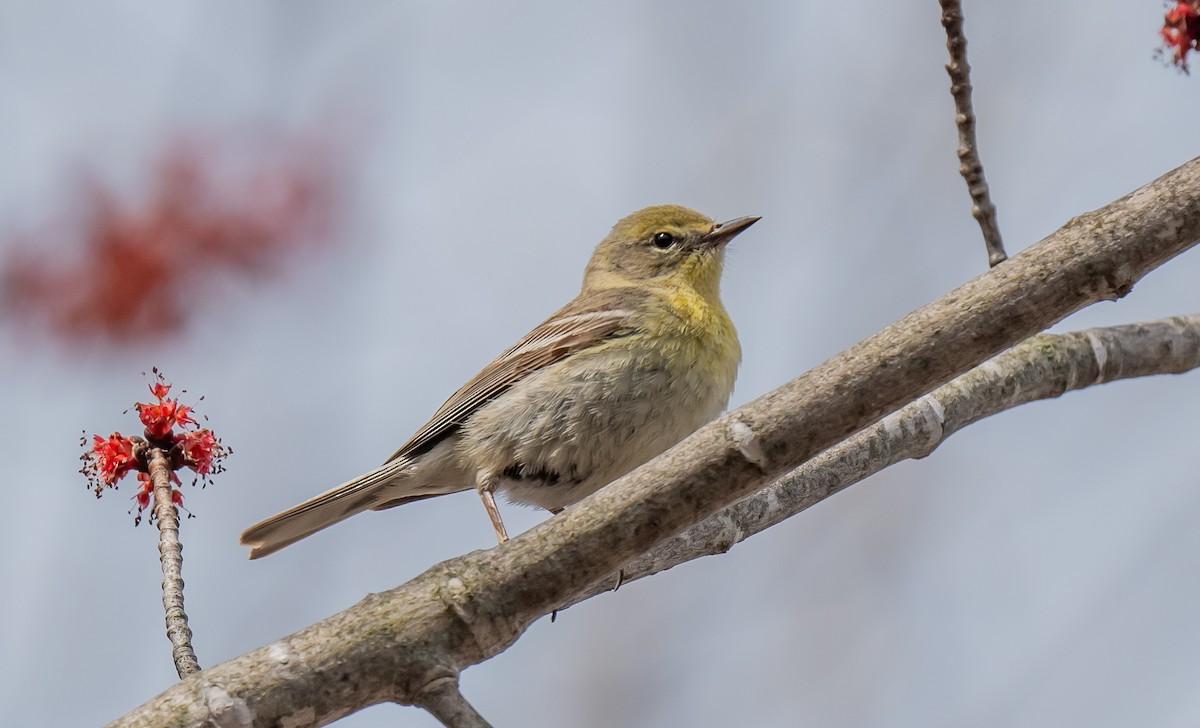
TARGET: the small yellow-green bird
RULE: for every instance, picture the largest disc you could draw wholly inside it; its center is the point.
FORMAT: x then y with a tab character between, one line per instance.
641	358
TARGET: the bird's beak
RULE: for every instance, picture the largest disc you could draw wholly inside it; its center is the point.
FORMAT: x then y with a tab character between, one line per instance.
723	232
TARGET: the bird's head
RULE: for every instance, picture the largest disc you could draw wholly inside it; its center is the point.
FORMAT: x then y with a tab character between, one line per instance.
663	245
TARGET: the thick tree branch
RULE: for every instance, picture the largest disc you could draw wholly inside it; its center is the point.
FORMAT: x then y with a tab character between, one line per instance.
1045	366
970	166
391	646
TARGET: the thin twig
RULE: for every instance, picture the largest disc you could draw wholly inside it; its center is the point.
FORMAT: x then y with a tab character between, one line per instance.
443	700
969	164
170	553
1043	367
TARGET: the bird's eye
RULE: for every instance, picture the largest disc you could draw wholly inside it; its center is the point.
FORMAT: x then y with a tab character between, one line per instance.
664	240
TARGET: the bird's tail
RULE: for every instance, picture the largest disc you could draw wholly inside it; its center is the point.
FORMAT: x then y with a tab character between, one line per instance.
322	511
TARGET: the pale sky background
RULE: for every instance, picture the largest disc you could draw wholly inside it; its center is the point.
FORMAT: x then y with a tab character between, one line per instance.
1041	569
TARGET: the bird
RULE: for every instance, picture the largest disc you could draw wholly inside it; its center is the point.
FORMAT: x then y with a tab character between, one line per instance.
642	357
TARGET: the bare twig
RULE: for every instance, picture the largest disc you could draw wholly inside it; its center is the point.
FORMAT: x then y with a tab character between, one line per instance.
443	700
969	164
392	644
1045	366
170	553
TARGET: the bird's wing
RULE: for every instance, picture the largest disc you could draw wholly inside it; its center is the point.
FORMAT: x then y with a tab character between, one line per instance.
581	324
584	322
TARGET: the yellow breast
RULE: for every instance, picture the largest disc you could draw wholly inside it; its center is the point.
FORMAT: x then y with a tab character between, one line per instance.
706	339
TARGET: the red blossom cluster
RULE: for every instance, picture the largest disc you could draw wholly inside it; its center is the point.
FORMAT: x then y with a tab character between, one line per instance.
1181	30
113	458
162	416
126	271
110	459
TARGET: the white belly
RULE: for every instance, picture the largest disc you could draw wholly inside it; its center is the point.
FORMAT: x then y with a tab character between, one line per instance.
564	432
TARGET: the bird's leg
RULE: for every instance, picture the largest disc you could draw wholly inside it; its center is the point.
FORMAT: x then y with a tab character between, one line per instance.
485	483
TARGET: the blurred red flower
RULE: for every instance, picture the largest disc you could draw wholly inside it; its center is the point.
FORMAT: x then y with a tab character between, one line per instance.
1181	28
137	271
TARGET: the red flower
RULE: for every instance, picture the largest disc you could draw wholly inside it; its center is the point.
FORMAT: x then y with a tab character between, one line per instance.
1181	28
160	418
113	457
145	492
199	447
171	429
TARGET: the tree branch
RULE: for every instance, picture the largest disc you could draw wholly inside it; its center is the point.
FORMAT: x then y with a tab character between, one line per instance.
391	645
170	554
970	166
444	701
1045	366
